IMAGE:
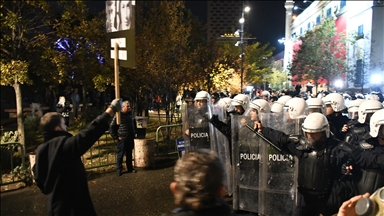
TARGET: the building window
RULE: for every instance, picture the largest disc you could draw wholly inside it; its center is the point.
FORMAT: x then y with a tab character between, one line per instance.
343	3
294	35
309	26
329	12
359	71
301	31
318	20
360	31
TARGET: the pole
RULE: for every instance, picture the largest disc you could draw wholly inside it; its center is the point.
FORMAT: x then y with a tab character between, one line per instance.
242	51
117	81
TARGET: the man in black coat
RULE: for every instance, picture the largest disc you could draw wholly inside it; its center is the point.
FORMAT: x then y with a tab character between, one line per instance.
59	171
125	134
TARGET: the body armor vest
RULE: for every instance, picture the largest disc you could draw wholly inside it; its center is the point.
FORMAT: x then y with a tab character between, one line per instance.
314	171
371	180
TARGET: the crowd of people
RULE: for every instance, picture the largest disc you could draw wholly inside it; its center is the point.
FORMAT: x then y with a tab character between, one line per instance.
340	150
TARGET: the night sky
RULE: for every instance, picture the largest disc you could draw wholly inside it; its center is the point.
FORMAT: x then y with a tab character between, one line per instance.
267	18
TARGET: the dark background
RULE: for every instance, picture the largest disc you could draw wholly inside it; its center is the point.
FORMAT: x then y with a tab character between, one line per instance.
266	18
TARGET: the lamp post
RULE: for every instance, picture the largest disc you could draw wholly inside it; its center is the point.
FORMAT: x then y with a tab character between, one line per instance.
241	21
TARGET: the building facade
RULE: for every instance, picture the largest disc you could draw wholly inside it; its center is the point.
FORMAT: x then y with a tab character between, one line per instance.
362	19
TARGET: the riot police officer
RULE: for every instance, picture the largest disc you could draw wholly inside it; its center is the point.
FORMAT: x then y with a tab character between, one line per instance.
196	126
334	105
368	156
317	167
357	130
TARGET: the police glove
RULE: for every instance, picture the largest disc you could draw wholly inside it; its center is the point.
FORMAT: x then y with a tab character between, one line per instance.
345	170
116	105
214	118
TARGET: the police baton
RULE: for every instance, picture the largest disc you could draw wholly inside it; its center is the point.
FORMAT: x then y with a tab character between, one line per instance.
261	136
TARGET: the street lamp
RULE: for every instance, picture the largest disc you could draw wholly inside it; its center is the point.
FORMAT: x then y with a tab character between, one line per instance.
295	8
241	21
281	40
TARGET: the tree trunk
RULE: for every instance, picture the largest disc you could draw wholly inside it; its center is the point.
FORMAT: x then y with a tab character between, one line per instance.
19	114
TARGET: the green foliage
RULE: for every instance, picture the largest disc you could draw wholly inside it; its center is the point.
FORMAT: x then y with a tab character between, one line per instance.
23	173
14	71
31	125
257	60
278	79
10	136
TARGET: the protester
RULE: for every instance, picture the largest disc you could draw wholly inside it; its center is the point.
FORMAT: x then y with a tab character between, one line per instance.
198	186
59	171
36	103
51	99
125	134
75	98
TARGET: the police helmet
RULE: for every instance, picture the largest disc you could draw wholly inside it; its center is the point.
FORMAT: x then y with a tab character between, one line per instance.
315	105
241	100
260	105
368	106
336	101
316	122
377	121
353	108
225	103
202	95
297	108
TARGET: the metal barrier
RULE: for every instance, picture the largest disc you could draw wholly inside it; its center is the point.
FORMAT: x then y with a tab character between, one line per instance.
103	153
13	167
166	144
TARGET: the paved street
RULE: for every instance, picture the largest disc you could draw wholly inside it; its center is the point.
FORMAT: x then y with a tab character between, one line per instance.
143	193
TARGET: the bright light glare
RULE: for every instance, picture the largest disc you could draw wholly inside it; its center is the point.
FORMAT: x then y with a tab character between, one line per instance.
376	78
249	88
241	20
247	9
338	83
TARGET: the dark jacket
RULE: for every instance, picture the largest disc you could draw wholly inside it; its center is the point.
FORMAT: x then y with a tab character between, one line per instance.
36	98
336	123
60	173
127	127
219	208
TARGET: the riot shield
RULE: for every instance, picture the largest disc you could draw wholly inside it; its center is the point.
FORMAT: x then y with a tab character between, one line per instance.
198	132
264	178
281	122
222	148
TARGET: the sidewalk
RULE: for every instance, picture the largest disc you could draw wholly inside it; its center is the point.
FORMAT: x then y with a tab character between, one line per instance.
143	193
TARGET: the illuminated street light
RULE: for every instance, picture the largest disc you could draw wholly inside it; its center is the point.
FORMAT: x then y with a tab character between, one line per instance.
338	84
295	8
282	40
241	21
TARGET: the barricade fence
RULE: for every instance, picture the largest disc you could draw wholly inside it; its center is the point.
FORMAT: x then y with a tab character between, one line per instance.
16	168
166	137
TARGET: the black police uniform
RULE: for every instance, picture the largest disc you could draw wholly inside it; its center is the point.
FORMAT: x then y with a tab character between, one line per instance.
318	170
